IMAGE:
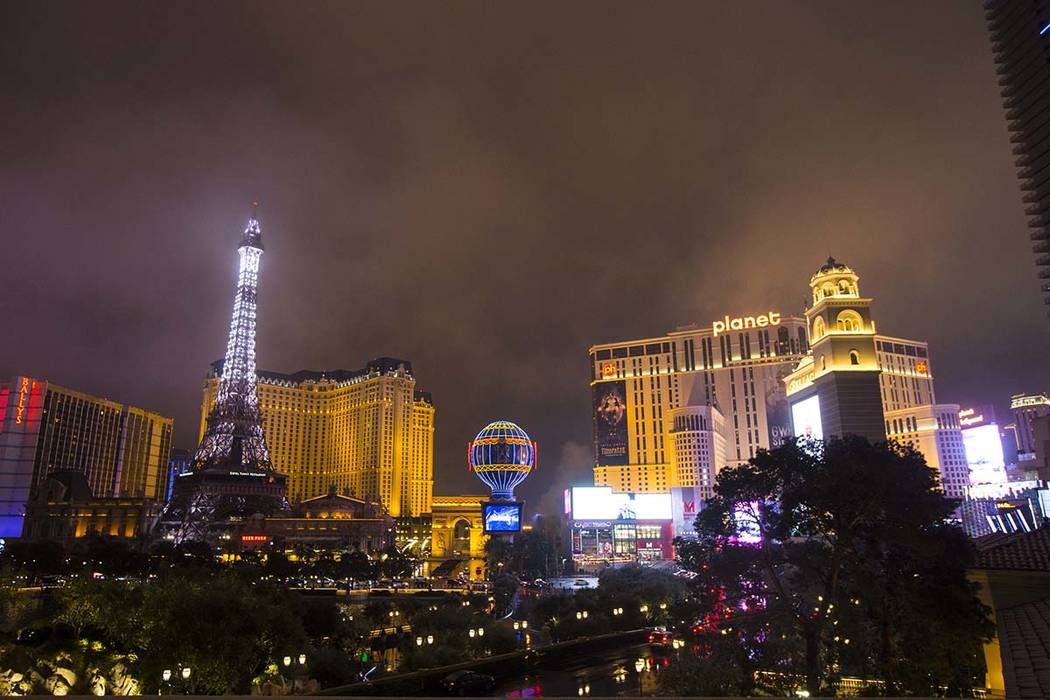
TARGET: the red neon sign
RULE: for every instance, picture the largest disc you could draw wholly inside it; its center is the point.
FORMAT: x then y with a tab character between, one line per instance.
20	410
254	538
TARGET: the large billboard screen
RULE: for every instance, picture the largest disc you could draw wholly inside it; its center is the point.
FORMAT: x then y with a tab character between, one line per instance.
501	517
600	503
805	417
610	423
984	454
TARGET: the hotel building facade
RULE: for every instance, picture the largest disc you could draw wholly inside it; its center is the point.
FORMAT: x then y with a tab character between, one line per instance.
368	433
671	411
121	451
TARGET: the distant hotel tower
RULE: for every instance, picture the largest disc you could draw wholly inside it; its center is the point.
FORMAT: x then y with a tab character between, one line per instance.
1020	33
367	433
231	476
49	431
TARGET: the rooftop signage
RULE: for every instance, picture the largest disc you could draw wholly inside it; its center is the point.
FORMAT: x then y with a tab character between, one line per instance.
771	318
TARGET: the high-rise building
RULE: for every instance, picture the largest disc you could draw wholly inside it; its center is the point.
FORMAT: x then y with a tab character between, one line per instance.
933	430
671	411
121	450
730	372
231	477
698	446
1027	408
1020	34
368	433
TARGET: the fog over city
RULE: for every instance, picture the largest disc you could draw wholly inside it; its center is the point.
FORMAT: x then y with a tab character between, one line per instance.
486	190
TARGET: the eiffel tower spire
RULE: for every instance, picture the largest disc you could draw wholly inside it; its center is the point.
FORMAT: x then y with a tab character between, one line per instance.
234	426
231	477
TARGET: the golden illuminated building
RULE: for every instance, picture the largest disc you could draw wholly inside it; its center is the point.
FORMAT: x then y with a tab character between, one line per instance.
458	539
121	451
671	411
861	383
368	433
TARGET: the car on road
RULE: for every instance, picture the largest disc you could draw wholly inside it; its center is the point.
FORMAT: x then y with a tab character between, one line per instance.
660	637
467	682
580	583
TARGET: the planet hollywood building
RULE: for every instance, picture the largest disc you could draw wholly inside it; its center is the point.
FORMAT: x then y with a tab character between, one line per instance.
669	411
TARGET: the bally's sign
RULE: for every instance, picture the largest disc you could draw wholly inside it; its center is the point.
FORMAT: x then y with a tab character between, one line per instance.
744	322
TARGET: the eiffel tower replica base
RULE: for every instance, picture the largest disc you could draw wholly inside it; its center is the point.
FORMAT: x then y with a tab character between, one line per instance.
208	505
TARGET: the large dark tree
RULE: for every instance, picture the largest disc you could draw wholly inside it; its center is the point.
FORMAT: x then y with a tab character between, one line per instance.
856	570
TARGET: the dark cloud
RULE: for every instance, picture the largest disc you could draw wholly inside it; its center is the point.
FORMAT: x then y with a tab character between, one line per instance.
487	189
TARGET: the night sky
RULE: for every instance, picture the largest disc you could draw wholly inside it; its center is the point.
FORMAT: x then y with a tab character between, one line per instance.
486	189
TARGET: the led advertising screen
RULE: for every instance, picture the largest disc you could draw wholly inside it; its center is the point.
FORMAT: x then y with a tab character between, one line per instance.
805	417
501	517
610	423
984	454
600	503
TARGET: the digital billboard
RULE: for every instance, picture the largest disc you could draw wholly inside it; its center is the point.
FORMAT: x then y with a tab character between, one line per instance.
600	503
610	423
501	517
805	417
984	454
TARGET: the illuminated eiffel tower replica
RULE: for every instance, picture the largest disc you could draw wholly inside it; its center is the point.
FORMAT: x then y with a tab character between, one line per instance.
231	477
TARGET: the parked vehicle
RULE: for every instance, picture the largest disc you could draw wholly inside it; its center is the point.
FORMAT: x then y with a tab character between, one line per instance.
467	683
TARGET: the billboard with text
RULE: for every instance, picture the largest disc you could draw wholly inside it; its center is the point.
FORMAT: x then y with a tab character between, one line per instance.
610	423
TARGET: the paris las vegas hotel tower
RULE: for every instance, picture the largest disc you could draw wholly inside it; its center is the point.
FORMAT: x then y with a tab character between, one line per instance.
367	433
670	411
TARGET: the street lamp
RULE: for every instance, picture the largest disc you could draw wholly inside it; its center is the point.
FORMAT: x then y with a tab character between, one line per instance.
419	641
481	631
166	675
287	661
302	659
186	673
430	639
472	632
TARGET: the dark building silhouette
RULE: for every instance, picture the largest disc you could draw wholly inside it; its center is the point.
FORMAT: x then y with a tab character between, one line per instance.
1020	34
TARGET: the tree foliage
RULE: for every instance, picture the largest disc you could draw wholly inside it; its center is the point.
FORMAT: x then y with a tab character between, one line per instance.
857	569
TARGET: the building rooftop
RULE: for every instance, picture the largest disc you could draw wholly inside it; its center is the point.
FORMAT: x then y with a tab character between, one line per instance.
378	366
1024	636
1021	551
